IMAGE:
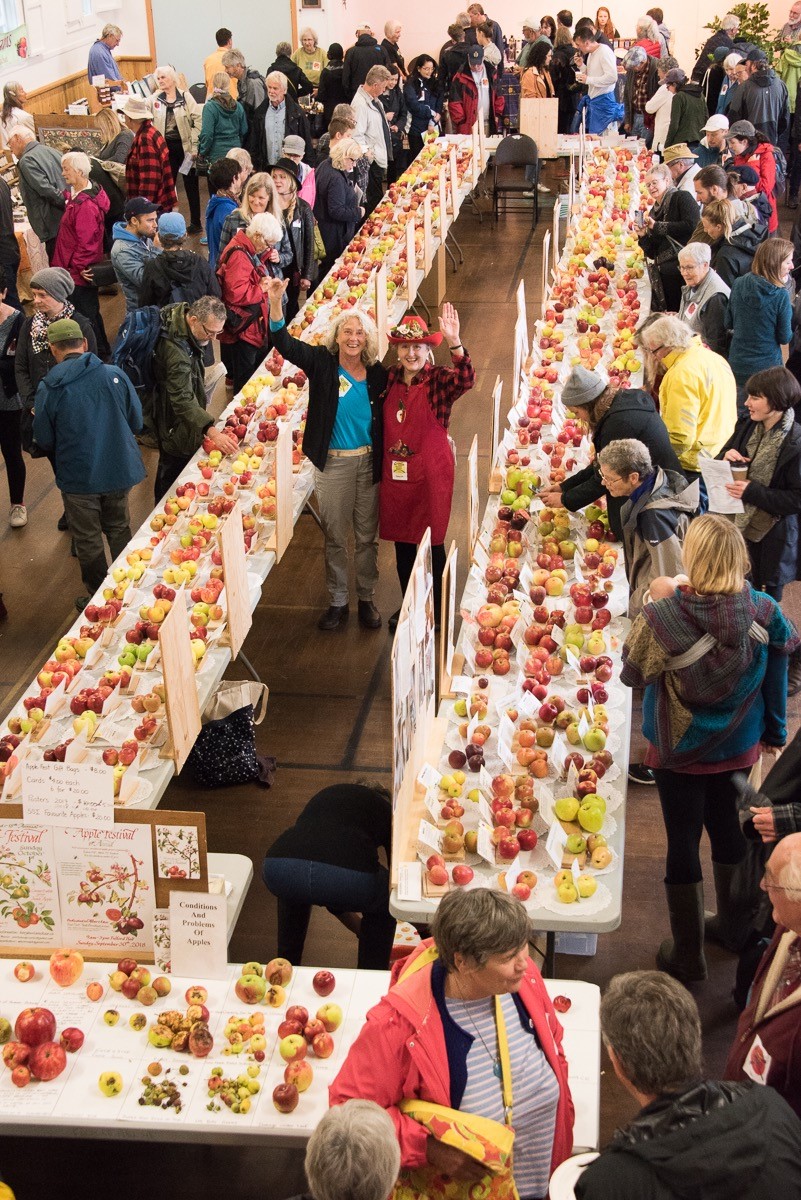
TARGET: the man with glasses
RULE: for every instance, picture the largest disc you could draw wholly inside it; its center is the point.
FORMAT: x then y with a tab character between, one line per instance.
767	1045
179	405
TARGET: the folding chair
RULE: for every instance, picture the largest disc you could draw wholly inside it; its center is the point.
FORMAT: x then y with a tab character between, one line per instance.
514	153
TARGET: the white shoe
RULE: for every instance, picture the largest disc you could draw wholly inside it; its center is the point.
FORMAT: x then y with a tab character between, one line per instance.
542	188
529	195
18	516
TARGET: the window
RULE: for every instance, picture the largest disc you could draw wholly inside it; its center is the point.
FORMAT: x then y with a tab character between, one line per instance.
87	8
11	15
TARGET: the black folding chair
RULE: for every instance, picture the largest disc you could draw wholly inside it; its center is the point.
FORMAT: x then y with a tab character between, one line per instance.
513	155
198	93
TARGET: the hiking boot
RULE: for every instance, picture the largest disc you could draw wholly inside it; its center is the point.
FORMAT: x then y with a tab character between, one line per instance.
369	616
336	615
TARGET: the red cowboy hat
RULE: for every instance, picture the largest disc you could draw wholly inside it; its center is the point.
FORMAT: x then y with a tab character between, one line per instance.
414	329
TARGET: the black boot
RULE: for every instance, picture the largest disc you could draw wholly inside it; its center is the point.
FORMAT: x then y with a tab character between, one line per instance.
794	674
730	925
683	957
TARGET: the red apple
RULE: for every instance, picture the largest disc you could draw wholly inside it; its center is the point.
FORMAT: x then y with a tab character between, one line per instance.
34	1026
323	1045
47	1060
71	1039
324	983
285	1097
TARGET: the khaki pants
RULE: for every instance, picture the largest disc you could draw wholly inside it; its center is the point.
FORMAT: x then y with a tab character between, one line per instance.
89	517
348	499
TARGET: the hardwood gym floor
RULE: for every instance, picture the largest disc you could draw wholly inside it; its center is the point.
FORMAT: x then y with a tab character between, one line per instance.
328	720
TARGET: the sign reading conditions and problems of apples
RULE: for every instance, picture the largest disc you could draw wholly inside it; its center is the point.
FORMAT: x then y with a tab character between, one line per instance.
199	935
74	794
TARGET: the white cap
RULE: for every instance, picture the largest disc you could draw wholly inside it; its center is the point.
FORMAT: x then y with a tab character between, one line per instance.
718	121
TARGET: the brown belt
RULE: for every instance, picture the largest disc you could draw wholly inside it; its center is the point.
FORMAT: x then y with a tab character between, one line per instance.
357	453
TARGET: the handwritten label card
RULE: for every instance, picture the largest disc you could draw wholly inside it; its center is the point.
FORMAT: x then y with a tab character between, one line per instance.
199	935
78	795
429	776
410	881
555	844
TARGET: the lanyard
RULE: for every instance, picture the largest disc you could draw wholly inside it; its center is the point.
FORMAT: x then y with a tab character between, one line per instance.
505	1061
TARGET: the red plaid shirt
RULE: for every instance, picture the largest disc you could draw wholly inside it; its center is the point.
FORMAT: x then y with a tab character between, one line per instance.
147	171
444	384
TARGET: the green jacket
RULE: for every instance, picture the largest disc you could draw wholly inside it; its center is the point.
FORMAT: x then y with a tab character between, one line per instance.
688	115
788	69
179	404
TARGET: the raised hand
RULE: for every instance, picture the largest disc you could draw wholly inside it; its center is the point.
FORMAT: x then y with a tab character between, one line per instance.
449	324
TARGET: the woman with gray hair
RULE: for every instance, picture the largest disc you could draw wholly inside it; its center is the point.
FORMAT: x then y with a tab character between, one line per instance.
648	37
177	116
79	242
13	111
658	508
468	1025
668	226
704	297
353	1154
642	80
310	56
344	440
244	270
660	103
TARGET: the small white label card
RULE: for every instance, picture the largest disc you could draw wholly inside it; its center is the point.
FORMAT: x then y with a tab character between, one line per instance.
427	838
410	881
199	935
555	844
429	776
69	794
757	1062
432	803
512	872
485	844
461	684
485	782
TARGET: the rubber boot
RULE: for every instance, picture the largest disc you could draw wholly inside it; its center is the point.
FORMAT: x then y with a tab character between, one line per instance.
730	925
683	957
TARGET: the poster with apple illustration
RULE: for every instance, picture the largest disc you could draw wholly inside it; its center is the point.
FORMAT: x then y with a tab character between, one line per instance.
107	888
178	851
29	908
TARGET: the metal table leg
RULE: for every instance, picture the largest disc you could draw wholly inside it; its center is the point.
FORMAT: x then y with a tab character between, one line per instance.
309	508
248	665
450	255
456	244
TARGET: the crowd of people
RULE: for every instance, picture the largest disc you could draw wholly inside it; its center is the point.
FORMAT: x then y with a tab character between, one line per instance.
467	1028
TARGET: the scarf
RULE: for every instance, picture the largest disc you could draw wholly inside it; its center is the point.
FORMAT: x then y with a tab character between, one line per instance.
698	707
763	449
40	323
601	406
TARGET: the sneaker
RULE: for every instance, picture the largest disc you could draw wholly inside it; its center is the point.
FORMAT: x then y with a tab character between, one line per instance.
530	194
194	228
542	188
18	516
204	241
639	773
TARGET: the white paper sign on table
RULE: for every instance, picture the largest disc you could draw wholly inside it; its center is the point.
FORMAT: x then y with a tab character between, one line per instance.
432	804
512	872
429	776
485	782
428	837
461	684
199	935
485	844
485	812
410	881
480	556
78	795
555	844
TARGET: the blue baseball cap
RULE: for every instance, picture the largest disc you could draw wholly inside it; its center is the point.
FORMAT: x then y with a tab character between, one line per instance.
172	224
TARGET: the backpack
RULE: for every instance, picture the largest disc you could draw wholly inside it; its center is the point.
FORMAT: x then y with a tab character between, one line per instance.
781	169
133	349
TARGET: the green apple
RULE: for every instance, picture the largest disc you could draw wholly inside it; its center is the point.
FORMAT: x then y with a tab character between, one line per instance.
575	844
566	808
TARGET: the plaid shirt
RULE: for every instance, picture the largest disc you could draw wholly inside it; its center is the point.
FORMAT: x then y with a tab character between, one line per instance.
147	171
444	385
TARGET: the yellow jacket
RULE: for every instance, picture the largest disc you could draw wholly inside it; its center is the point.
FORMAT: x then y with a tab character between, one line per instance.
211	67
698	402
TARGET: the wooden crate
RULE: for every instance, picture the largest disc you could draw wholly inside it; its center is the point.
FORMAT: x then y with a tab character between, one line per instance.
539	120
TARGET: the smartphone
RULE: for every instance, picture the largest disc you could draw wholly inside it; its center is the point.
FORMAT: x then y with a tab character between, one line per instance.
639	220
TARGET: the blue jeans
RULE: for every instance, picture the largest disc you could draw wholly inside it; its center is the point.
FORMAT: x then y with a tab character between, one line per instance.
299	884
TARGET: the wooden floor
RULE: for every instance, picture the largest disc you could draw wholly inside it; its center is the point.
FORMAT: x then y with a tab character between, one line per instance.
328	720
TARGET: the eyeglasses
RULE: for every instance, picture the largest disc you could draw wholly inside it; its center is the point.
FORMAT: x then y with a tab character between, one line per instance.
212	333
769	885
609	480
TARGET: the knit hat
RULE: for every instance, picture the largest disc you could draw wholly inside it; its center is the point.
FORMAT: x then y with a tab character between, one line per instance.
413	329
56	281
172	224
583	387
293	144
137	206
717	121
745	174
475	56
137	109
674	153
722	52
675	77
64	331
741	129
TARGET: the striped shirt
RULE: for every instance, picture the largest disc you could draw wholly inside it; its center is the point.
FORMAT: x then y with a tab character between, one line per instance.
535	1089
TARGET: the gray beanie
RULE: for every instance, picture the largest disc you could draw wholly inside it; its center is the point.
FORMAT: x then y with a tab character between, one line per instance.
56	281
583	387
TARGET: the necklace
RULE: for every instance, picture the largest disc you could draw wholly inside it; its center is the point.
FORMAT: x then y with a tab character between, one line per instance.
494	1058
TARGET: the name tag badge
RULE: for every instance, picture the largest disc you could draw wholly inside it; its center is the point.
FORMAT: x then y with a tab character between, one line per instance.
691	309
344	386
400	471
317	66
757	1064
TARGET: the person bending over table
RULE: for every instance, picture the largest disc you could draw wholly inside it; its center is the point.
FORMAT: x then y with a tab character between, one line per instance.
418	470
343	439
467	1026
329	857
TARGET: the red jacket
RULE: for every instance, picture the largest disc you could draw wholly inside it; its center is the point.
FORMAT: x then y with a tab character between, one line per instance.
400	1054
779	1029
147	169
79	242
463	101
240	288
652	49
763	162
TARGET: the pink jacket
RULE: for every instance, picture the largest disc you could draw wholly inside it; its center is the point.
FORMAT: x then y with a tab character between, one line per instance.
79	242
400	1054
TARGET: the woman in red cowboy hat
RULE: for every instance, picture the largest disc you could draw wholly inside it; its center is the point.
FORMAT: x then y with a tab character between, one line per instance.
417	476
